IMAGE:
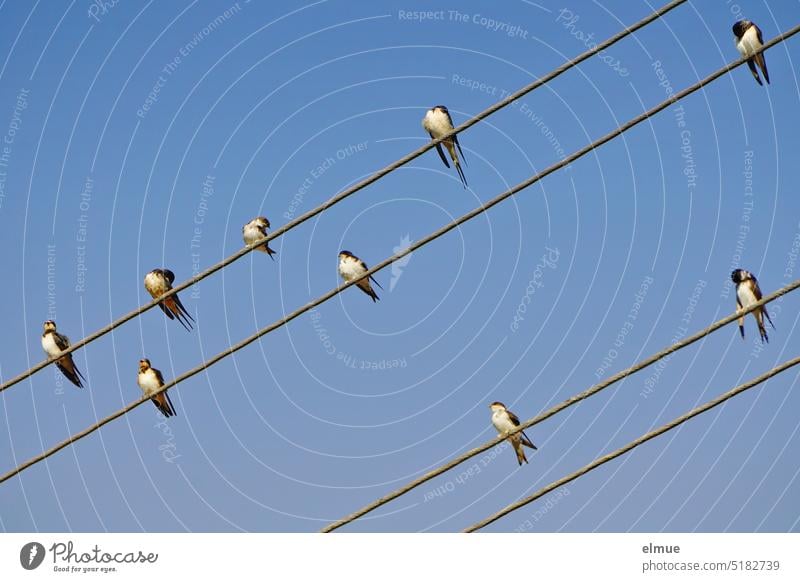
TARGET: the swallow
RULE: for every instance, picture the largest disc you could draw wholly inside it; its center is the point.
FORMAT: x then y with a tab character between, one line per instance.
254	231
504	421
54	343
747	293
159	281
351	267
748	43
150	380
437	122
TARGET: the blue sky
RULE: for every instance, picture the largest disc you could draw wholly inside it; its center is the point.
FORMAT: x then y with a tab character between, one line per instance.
145	135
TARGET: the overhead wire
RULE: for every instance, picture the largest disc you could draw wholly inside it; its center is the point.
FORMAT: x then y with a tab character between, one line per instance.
347	192
408	250
635	443
598	387
591	391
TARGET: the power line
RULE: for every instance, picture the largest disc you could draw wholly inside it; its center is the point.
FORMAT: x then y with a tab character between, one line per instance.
349	191
635	443
433	236
412	248
557	408
596	388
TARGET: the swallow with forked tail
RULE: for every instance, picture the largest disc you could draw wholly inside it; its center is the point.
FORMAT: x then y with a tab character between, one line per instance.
254	231
159	281
437	122
53	344
150	381
351	267
505	421
747	293
749	43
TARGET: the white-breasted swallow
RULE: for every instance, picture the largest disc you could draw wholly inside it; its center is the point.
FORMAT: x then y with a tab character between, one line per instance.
159	281
150	380
749	42
351	267
505	421
254	231
437	122
53	344
747	293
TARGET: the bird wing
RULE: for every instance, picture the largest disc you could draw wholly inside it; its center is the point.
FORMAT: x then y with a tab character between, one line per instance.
159	377
62	341
756	289
758	34
447	113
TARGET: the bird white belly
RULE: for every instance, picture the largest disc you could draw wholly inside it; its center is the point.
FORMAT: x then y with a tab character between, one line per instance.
349	270
746	296
49	345
437	123
252	235
155	284
502	423
749	43
148	383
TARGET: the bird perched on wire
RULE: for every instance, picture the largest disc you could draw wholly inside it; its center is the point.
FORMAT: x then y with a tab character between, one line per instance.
159	281
505	421
254	231
53	344
749	43
747	293
351	268
437	122
150	381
